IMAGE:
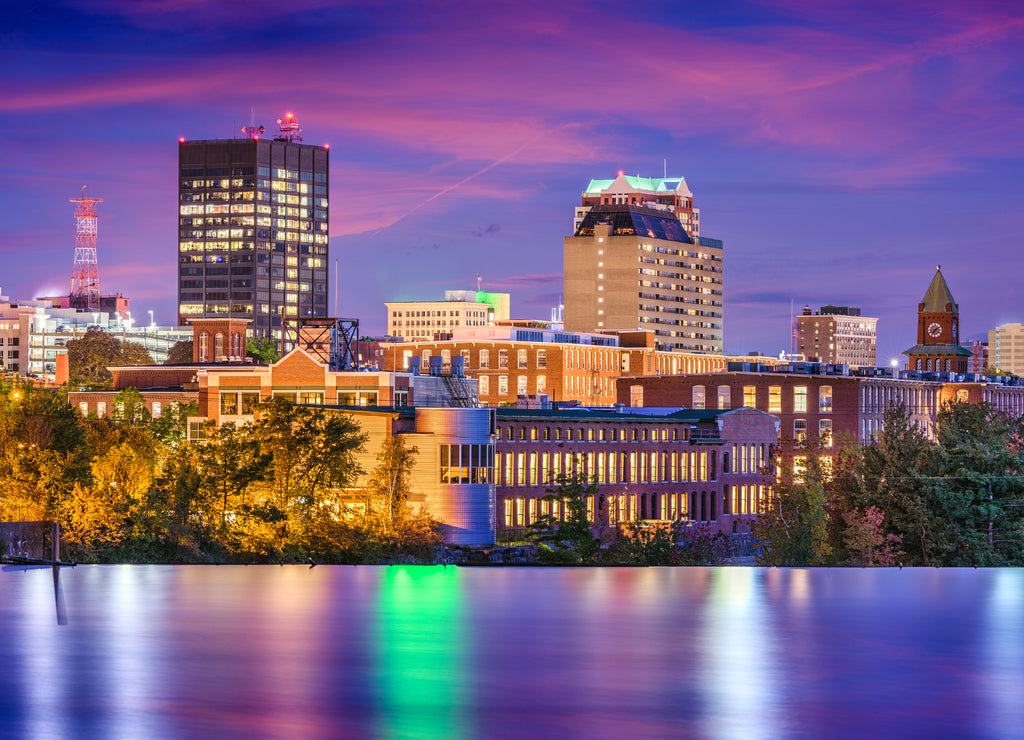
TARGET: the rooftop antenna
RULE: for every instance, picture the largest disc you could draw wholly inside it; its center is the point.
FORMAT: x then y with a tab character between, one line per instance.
478	282
252	130
289	129
85	278
666	167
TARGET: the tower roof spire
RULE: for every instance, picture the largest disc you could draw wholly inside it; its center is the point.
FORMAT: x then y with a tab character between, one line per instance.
938	295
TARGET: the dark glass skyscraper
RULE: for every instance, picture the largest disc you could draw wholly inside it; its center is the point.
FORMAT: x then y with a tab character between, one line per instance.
252	231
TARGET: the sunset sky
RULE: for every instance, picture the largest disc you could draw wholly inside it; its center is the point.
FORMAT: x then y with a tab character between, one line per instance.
841	149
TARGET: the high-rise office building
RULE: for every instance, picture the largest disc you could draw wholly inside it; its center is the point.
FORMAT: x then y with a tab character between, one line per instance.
837	335
636	261
252	220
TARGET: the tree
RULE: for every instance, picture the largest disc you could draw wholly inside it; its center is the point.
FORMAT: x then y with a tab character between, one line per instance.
894	476
130	407
978	484
793	526
91	355
866	541
263	350
572	538
180	353
387	487
639	543
312	457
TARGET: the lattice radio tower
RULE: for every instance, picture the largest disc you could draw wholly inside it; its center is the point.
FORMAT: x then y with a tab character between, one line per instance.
85	279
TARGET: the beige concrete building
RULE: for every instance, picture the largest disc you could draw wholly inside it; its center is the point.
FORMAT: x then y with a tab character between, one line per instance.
427	320
636	267
1006	348
837	335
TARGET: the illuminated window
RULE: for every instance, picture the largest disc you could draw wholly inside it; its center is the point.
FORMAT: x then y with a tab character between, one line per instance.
542	358
825	399
636	396
800	430
521	358
800	399
521	385
502	385
775	399
484	385
750	396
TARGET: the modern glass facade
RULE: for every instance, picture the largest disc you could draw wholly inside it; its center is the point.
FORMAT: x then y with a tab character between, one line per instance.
252	231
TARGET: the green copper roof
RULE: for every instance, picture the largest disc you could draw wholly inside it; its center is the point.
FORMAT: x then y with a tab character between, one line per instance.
653	184
938	295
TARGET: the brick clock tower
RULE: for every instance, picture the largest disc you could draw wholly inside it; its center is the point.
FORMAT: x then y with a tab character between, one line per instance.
938	332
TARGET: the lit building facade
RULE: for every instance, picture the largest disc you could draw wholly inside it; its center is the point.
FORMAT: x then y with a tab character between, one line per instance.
1006	348
669	194
33	334
253	230
509	362
699	466
413	321
822	407
837	335
637	261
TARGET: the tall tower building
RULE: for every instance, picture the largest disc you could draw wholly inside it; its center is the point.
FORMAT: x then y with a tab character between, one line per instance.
837	335
252	220
637	261
938	331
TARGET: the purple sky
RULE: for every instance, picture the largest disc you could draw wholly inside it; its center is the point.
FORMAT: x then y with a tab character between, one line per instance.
841	152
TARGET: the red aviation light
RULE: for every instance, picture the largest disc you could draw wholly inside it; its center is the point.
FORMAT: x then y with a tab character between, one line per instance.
181	139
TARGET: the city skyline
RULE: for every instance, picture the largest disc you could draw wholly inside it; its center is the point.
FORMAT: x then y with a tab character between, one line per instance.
841	152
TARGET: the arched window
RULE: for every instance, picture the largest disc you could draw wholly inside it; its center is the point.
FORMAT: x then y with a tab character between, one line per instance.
204	347
218	347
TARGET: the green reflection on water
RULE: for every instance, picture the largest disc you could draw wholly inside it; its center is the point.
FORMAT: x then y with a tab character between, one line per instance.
420	650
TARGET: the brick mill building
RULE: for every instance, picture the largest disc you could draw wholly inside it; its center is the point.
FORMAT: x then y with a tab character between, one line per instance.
514	361
700	466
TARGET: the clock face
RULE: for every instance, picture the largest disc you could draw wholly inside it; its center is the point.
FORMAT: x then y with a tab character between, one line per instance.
934	330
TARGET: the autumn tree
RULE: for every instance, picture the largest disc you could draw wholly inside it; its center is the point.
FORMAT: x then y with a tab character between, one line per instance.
180	353
91	355
866	541
390	521
312	453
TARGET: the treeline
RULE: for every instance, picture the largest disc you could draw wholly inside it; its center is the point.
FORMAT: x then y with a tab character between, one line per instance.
905	499
128	488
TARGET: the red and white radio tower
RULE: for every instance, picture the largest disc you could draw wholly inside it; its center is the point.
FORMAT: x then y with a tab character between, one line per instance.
85	279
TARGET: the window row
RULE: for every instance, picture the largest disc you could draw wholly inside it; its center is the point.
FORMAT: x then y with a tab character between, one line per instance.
590	434
723	398
472	463
542	468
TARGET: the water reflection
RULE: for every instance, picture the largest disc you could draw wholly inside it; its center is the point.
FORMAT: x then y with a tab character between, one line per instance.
236	652
421	645
738	657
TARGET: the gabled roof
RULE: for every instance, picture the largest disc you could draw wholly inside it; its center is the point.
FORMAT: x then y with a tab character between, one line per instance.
938	295
627	183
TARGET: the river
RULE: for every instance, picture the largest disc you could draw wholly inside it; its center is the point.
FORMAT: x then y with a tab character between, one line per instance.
416	651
